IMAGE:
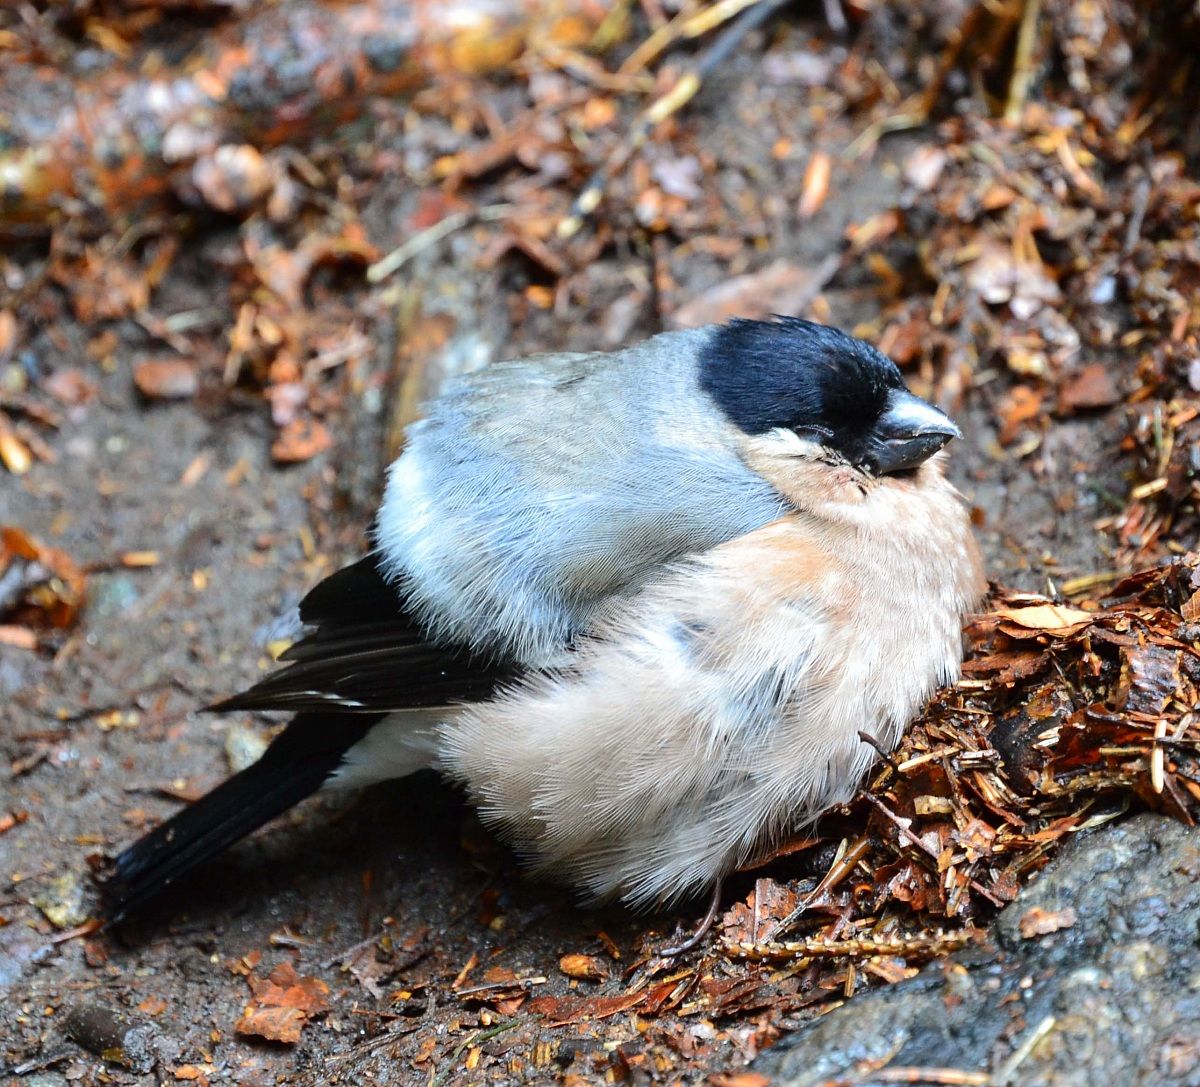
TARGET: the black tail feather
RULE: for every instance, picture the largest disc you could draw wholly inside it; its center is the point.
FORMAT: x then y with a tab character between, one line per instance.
296	764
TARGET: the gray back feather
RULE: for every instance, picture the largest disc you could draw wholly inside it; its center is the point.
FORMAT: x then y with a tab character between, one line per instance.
536	491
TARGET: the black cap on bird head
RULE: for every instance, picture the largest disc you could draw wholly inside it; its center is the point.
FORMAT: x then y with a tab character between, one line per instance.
817	381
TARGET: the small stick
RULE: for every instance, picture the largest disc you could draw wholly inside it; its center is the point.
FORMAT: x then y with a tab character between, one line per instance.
899	824
911	1074
685	24
1158	756
1004	1075
860	946
400	256
1022	76
842	866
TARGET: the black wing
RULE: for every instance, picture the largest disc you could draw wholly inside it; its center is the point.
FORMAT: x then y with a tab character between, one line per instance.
367	654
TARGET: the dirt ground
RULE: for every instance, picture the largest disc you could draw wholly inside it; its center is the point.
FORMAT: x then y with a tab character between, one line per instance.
397	900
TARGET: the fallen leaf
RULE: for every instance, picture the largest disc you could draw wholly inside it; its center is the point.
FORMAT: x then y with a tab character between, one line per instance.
273	1024
816	185
165	379
780	287
768	903
1055	618
1020	406
301	440
369	970
284	988
584	967
562	1010
283	1002
1093	387
14	452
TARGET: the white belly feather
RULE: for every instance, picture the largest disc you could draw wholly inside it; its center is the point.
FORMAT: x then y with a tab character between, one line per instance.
723	706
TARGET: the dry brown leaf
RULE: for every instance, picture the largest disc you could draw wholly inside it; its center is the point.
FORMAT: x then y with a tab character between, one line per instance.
165	379
14	453
301	440
1093	387
584	967
1053	618
816	185
1191	608
566	1010
284	988
1020	406
780	287
274	1024
283	1002
48	588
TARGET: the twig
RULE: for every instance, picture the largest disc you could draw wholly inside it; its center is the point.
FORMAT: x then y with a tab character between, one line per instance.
886	755
1158	756
685	24
472	1039
346	953
1005	1073
901	825
1137	215
924	943
866	140
941	1077
1022	75
500	986
400	256
843	865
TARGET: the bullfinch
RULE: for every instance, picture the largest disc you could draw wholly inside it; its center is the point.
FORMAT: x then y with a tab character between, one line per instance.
640	605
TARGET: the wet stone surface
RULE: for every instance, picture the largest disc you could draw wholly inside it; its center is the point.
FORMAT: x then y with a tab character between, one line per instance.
1112	997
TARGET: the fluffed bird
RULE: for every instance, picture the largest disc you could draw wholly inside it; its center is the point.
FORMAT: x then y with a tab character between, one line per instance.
639	605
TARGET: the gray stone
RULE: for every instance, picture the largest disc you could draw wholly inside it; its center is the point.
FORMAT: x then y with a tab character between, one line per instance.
1114	998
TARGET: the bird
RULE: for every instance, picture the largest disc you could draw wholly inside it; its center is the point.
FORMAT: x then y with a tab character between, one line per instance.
646	607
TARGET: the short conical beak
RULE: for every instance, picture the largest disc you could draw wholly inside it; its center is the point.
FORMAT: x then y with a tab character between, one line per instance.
908	433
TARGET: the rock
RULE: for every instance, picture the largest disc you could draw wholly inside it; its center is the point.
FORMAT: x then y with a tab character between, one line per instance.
118	1037
1112	998
244	746
61	900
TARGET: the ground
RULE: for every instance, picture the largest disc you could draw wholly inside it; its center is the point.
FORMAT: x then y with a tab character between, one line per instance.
397	900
